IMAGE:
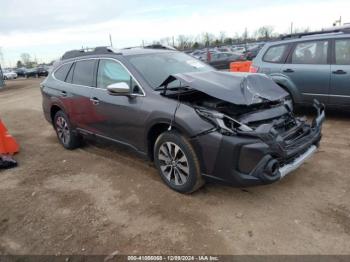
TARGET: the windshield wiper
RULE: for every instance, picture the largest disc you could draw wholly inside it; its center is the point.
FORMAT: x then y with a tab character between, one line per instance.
175	88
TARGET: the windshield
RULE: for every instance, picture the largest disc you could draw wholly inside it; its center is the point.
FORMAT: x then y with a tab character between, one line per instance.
155	68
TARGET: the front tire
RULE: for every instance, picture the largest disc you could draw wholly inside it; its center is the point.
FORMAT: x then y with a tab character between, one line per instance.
65	134
177	162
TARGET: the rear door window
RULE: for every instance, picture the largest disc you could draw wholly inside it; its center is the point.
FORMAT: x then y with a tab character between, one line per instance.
61	73
84	73
342	52
275	54
311	52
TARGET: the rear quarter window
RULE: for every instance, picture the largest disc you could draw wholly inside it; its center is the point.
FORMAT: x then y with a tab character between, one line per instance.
275	54
342	52
61	72
84	73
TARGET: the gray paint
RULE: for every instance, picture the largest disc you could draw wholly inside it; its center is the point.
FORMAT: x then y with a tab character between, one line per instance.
128	120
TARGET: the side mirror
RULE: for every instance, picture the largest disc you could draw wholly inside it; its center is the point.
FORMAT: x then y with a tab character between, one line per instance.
119	89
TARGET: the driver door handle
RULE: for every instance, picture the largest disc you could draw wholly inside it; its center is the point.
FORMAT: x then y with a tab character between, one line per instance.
339	72
95	100
288	70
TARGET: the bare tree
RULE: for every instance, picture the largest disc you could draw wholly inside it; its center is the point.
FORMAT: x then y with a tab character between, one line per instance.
245	35
222	37
25	57
207	39
166	41
184	42
265	32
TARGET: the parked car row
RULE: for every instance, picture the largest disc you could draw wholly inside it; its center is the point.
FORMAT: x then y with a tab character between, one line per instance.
221	57
24	72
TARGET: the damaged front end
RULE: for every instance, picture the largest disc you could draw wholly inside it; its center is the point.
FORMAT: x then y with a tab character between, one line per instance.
291	141
284	141
260	139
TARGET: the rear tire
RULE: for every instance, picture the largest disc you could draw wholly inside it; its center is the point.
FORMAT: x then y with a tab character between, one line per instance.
65	134
177	162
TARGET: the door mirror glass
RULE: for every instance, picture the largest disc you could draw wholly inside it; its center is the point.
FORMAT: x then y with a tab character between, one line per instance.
119	89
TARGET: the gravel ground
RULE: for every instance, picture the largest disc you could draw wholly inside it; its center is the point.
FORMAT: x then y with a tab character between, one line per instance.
104	198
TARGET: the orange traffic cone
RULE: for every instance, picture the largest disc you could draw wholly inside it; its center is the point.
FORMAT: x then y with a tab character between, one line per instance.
8	145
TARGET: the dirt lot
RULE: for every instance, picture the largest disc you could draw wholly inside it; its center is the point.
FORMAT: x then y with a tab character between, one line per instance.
100	199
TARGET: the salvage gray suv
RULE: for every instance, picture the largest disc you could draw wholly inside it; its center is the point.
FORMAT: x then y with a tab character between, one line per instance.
197	124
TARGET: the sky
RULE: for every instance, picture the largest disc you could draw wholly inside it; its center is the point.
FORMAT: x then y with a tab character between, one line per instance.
46	29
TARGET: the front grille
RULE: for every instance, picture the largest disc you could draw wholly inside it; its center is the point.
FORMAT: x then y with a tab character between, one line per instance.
285	161
296	136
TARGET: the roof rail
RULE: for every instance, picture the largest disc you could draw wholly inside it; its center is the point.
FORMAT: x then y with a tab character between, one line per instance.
160	46
88	51
153	46
345	29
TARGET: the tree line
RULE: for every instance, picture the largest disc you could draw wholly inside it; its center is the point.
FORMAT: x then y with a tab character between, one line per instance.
188	42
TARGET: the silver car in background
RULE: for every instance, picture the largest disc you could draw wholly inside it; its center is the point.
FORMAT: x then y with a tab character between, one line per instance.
7	74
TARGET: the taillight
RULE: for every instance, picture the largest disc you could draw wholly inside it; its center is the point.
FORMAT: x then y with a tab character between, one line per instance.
253	69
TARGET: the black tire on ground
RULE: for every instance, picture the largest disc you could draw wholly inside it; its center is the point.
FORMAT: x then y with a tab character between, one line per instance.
65	134
177	162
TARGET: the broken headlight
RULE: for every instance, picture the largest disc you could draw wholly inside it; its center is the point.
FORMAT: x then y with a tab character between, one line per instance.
224	123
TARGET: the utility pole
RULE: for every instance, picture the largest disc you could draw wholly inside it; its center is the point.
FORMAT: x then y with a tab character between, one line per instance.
110	40
173	42
291	28
337	22
245	38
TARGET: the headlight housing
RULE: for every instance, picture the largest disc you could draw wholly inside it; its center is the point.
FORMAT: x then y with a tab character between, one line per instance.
224	123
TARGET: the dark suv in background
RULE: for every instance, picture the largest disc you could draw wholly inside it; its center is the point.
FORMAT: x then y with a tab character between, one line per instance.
311	65
194	122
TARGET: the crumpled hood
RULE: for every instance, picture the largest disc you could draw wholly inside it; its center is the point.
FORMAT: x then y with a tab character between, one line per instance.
236	88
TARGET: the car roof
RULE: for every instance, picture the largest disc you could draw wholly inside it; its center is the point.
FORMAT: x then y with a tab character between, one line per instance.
143	51
310	37
103	52
73	55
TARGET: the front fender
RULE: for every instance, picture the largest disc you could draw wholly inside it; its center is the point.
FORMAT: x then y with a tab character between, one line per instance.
288	84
